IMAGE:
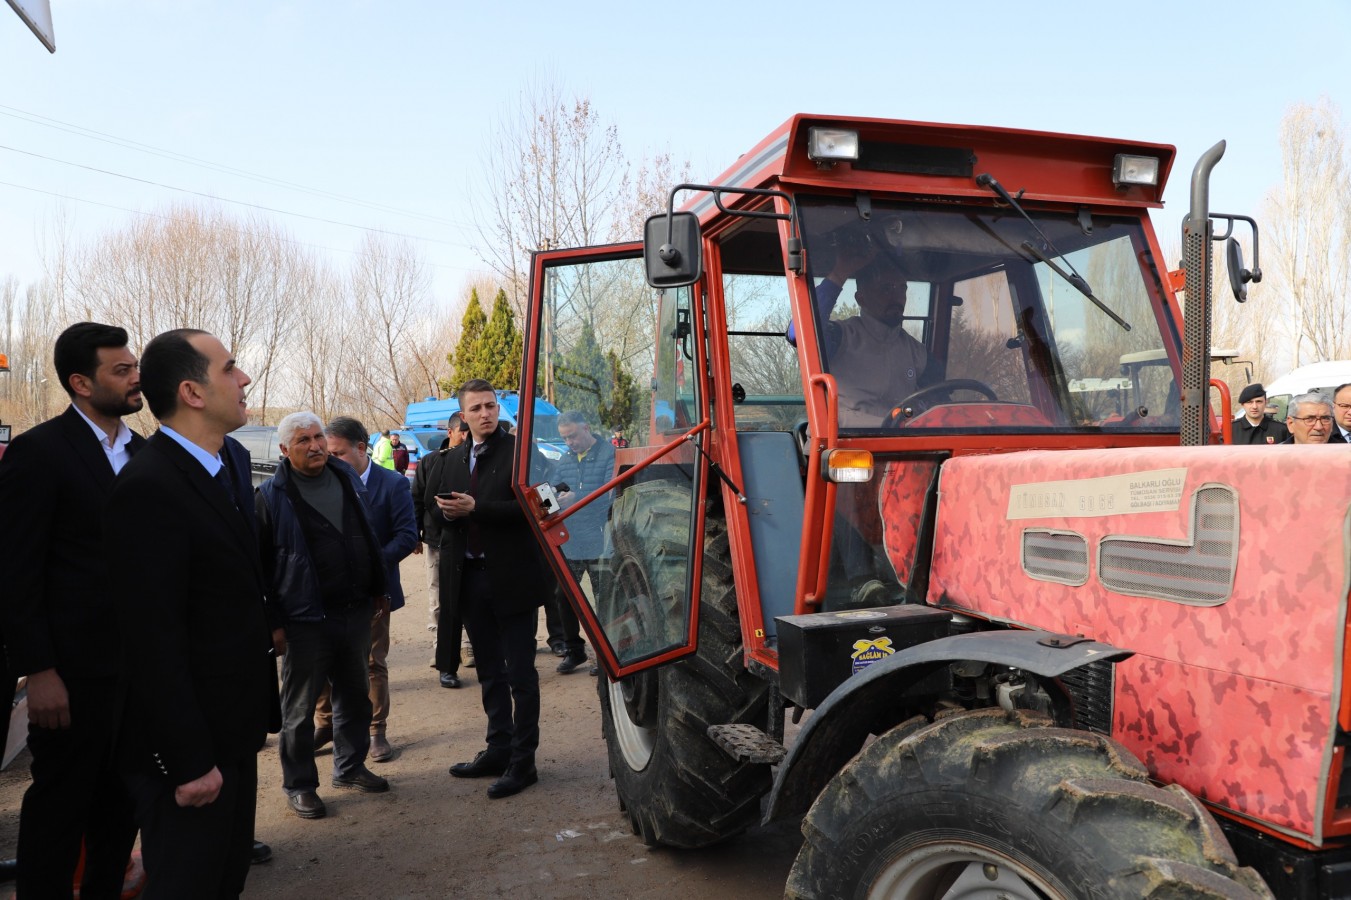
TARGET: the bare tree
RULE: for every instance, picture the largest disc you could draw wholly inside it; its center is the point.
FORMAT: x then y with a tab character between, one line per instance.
553	172
389	287
1309	227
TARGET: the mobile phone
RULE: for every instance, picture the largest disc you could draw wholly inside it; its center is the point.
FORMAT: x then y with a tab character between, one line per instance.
446	496
562	487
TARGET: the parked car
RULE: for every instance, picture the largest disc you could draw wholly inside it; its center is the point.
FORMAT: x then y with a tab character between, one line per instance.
264	452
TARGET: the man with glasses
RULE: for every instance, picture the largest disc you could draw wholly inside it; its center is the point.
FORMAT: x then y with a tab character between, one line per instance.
1341	403
1310	419
1254	426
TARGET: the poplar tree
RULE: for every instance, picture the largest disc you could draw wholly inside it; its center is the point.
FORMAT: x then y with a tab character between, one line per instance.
502	346
467	360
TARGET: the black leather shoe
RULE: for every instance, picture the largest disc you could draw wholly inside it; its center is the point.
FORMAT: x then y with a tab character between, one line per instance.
364	780
9	869
323	735
450	680
307	805
593	671
261	853
488	762
558	648
517	779
571	663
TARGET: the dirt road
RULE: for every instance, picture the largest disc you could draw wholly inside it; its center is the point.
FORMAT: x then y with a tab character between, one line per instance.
434	836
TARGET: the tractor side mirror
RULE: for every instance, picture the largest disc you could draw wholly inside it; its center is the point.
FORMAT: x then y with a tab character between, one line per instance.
672	250
1238	276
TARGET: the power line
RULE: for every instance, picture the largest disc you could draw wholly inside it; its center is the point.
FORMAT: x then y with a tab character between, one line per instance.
127	143
218	199
234	228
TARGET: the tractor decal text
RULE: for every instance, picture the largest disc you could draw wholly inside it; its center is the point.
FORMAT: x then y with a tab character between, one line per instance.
1158	490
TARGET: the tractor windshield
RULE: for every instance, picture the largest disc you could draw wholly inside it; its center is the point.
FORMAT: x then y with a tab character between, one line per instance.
964	319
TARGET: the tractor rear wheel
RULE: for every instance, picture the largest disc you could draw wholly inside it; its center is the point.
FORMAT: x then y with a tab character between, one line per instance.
677	787
988	803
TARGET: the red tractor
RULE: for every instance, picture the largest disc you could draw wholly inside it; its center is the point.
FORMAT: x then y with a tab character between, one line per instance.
1051	646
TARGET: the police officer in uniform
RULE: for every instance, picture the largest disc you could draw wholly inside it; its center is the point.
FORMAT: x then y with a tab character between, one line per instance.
1254	427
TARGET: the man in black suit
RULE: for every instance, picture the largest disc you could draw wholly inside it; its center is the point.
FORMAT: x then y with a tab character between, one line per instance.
201	681
493	575
60	616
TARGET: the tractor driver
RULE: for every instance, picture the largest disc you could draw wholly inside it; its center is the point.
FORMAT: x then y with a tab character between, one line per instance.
876	363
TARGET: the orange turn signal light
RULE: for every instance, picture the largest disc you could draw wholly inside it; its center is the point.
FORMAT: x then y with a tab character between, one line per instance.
847	466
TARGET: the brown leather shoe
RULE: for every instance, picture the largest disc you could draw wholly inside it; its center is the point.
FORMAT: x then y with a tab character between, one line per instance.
307	805
380	751
363	779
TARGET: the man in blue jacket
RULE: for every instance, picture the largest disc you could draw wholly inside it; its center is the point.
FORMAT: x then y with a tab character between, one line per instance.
391	507
327	578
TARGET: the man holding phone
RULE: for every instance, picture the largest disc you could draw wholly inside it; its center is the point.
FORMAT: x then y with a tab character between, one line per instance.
494	578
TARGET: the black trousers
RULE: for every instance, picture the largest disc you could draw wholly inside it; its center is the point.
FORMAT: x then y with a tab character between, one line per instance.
504	649
197	851
76	794
334	651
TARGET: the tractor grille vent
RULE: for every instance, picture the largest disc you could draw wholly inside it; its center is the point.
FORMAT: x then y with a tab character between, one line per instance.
1199	572
1060	556
1090	687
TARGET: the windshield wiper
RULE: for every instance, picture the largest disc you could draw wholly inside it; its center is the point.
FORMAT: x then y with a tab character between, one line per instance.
1073	277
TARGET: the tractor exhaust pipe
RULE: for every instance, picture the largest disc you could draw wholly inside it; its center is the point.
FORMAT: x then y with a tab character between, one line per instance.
1196	259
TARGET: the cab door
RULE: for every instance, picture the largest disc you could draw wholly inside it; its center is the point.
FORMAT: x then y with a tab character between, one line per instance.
620	520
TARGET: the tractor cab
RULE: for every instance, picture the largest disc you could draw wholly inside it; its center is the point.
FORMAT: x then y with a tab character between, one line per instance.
807	341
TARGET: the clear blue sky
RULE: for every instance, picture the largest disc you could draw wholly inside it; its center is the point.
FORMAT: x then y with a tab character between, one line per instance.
392	103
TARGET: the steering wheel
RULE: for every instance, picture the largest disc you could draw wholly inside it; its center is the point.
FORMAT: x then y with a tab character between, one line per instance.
946	388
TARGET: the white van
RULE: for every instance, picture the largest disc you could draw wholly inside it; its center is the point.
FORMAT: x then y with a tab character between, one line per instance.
1320	376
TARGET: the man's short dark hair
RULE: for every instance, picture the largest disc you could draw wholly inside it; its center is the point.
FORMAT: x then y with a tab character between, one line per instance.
77	350
168	361
474	386
1338	389
456	422
349	429
573	417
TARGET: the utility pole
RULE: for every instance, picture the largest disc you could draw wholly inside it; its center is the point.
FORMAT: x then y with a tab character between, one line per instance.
551	309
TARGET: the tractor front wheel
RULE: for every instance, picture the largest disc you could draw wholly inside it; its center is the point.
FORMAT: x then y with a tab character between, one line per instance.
988	803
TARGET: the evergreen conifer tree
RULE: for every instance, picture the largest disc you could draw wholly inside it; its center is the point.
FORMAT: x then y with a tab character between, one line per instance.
502	346
467	359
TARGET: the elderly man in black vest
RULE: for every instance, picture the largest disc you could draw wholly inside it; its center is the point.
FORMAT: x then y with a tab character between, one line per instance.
327	582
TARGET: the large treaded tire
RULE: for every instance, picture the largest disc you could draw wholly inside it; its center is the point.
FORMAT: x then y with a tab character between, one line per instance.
989	803
676	786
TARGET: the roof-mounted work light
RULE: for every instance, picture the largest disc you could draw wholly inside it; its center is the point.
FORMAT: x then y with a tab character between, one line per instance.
1128	169
830	145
